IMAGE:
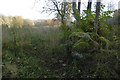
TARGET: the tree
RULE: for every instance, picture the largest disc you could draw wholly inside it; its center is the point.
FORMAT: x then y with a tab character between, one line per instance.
79	4
74	6
61	7
97	15
75	12
89	5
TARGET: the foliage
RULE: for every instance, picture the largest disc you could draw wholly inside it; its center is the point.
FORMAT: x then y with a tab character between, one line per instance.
47	52
97	47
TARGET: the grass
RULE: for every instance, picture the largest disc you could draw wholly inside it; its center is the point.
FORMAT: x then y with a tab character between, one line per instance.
27	51
39	53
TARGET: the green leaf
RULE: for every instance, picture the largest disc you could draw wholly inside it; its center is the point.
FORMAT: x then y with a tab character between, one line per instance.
81	35
104	40
80	43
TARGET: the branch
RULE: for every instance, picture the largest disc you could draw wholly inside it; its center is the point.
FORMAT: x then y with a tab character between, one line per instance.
56	5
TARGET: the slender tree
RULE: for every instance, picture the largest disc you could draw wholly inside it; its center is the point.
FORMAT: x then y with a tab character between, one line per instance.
79	4
74	8
64	8
89	5
97	15
76	12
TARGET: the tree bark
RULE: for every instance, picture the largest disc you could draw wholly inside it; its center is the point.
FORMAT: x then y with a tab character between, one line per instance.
74	8
97	15
64	12
79	4
89	5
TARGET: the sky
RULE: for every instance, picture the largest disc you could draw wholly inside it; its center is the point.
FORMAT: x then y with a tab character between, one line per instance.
27	10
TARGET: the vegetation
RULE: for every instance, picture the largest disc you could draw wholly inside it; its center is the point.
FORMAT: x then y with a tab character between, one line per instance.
77	50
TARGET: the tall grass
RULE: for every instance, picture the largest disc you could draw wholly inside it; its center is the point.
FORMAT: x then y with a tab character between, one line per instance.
42	52
25	50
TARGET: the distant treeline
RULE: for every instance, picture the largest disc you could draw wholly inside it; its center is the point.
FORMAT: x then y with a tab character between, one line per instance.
18	21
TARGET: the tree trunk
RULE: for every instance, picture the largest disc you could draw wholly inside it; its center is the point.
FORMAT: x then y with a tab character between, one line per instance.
97	15
74	8
89	5
64	12
79	4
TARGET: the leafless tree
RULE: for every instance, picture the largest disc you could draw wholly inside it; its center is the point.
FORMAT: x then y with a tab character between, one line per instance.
62	8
